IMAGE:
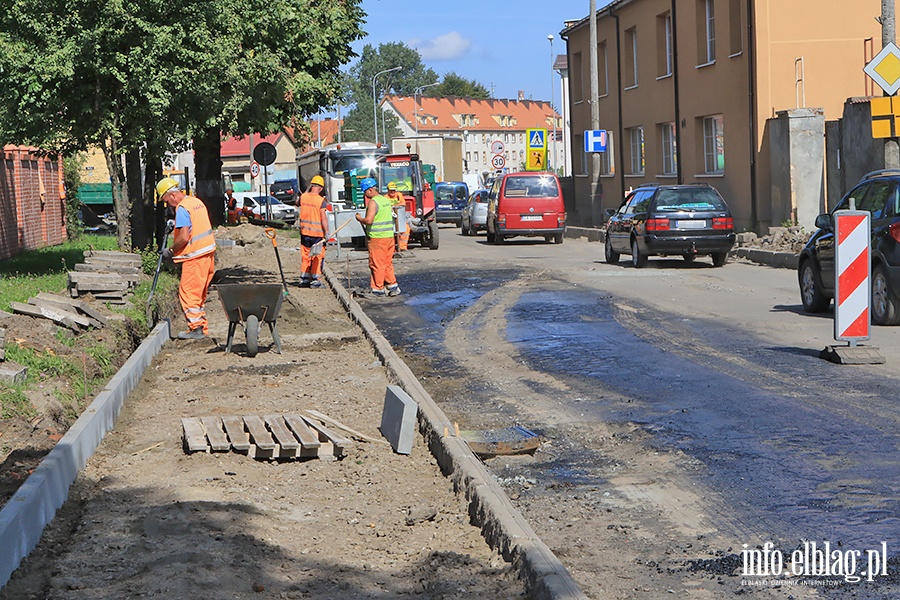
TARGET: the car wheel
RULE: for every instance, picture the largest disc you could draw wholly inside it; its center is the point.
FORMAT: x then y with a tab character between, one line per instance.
719	259
465	229
638	259
558	238
490	236
611	256
884	300
499	238
432	237
811	295
689	257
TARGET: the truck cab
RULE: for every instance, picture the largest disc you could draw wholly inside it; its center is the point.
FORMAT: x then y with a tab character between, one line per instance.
406	171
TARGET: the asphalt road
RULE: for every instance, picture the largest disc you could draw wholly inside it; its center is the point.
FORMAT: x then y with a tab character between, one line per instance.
716	370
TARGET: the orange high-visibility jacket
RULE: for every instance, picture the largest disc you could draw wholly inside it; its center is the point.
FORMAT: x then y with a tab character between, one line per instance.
311	206
202	240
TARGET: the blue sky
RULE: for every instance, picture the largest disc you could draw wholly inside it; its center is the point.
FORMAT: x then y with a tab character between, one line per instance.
501	44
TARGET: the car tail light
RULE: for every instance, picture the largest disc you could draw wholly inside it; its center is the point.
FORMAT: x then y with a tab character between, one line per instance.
723	223
657	224
895	231
561	220
501	219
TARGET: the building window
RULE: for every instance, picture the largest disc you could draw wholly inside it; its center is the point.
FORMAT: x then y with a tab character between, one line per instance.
636	146
468	156
576	78
506	137
484	158
631	58
713	144
736	25
602	69
607	162
664	45
669	149
706	25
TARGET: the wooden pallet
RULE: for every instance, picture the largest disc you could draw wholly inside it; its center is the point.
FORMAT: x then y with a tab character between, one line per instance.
268	437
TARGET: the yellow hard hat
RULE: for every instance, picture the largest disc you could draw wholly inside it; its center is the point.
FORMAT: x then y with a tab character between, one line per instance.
317	180
165	184
392	185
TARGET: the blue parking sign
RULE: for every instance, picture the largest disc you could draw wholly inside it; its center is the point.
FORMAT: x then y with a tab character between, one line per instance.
595	140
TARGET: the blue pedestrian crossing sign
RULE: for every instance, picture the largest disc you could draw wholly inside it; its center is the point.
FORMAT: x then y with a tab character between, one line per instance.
537	138
595	140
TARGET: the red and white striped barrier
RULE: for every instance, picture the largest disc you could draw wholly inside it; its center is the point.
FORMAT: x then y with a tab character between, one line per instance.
852	273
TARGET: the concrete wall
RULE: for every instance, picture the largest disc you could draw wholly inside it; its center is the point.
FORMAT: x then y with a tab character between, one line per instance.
797	155
32	201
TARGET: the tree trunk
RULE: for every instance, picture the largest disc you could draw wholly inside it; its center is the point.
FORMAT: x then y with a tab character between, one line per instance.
121	203
208	167
156	211
141	228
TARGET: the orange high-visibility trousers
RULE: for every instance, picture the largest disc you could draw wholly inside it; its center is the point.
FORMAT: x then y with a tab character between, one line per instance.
310	266
196	275
404	239
381	262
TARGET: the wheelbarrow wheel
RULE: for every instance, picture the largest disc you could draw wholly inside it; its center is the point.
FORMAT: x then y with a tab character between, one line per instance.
252	335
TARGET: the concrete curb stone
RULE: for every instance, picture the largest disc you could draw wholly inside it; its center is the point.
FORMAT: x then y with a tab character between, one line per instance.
502	525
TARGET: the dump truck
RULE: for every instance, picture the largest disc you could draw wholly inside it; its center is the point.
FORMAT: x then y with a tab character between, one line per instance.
444	152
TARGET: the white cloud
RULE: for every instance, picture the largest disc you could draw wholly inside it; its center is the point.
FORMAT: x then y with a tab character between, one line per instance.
443	47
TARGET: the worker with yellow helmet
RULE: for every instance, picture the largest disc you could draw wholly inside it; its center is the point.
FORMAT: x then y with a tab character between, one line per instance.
194	248
313	229
398	199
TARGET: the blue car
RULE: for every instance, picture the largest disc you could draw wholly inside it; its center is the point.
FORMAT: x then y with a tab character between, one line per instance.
450	198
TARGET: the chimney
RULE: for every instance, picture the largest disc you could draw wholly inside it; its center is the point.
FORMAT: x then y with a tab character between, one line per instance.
521	95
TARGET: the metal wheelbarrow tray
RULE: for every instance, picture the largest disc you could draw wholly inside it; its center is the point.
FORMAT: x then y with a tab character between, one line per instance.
251	303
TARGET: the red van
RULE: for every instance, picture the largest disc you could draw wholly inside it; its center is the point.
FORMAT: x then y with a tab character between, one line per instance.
526	204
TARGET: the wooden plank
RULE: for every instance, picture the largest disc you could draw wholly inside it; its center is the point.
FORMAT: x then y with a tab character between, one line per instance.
327	435
194	437
309	441
234	427
259	435
217	438
71	306
82	306
326	419
282	434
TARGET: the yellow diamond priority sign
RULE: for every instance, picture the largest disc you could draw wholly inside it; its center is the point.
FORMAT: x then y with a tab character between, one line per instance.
884	69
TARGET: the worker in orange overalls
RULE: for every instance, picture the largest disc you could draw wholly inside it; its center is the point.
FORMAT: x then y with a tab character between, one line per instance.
398	199
194	248
379	221
232	205
313	227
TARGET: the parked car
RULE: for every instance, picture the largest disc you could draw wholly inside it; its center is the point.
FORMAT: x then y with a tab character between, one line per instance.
877	193
474	216
449	201
286	190
254	206
670	220
526	204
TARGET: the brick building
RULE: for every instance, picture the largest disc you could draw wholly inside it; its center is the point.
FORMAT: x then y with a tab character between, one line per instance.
32	201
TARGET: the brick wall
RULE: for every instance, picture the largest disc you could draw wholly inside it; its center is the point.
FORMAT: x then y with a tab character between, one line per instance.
32	201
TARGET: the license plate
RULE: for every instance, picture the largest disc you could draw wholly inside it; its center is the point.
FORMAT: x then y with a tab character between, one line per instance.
690	224
532	218
445	206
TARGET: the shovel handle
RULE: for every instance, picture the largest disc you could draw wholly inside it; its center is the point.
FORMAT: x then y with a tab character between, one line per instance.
270	233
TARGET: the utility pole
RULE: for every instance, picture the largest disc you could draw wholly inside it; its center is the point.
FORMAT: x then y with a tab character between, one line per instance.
596	186
888	36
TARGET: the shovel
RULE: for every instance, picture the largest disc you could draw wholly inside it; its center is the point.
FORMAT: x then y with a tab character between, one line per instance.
270	233
316	249
170	226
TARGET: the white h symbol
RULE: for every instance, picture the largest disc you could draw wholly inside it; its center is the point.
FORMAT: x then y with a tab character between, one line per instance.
595	140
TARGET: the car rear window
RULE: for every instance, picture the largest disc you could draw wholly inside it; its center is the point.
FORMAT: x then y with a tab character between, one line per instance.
531	187
689	200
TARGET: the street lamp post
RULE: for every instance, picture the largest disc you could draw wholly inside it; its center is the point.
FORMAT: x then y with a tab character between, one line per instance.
416	101
375	101
552	114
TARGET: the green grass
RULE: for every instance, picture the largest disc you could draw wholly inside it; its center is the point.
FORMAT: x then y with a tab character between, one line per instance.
45	270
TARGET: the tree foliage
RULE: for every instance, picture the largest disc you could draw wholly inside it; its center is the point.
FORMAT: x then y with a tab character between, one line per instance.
454	85
150	75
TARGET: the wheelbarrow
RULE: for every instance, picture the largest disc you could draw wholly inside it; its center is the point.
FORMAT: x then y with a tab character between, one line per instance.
250	304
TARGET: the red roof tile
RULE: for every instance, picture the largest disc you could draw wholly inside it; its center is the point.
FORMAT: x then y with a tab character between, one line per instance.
458	114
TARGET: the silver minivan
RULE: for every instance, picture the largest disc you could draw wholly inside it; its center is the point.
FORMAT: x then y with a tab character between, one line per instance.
474	216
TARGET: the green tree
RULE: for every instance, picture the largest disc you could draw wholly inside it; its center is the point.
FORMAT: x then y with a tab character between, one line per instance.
454	85
403	83
140	77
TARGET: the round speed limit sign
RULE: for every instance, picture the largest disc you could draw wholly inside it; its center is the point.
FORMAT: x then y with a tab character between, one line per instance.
497	161
254	169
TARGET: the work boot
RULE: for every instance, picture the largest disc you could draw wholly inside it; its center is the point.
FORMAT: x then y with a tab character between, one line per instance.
193	334
315	283
393	290
305	283
379	293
